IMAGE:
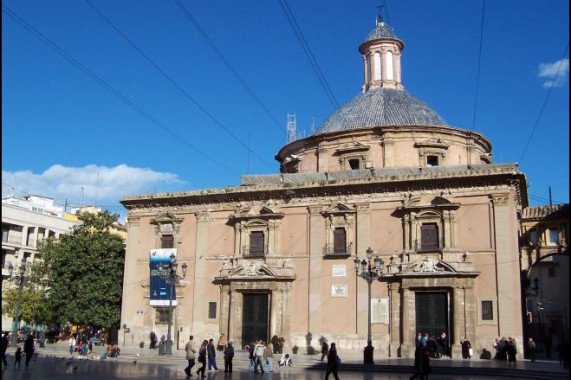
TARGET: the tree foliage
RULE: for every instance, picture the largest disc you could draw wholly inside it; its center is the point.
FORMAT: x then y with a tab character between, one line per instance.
85	271
32	296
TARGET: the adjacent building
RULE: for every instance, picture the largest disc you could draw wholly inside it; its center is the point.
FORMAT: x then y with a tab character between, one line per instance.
26	221
276	255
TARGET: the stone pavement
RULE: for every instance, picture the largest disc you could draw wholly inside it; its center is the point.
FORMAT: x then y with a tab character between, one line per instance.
351	362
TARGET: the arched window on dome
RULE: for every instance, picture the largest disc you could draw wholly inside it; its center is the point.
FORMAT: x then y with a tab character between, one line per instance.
377	66
369	63
389	65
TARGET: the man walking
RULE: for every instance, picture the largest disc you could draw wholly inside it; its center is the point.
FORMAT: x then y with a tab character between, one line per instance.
259	354
211	355
228	355
332	362
5	344
531	348
190	351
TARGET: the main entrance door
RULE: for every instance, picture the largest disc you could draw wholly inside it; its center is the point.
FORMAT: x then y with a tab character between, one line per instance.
432	313
255	318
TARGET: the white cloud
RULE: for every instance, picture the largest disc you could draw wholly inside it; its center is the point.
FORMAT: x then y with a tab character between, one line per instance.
556	72
102	186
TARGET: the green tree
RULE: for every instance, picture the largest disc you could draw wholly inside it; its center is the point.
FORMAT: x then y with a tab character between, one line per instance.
85	272
32	297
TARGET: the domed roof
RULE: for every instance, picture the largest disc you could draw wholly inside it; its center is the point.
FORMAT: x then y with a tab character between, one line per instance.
381	107
382	30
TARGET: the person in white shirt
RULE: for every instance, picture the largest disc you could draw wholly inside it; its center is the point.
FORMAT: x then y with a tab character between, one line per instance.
72	343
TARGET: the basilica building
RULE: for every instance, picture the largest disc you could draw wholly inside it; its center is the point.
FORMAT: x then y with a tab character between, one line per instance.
383	180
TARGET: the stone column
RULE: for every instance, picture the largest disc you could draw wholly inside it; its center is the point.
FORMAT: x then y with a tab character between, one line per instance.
322	164
406	229
394	328
507	274
199	311
316	227
225	310
286	315
407	345
446	224
458	322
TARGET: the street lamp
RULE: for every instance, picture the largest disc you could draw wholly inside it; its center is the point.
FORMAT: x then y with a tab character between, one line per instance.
172	279
370	271
16	322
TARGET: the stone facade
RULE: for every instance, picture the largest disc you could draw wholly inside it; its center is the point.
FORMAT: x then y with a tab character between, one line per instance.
425	197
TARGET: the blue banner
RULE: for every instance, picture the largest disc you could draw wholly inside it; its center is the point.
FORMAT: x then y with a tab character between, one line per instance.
160	288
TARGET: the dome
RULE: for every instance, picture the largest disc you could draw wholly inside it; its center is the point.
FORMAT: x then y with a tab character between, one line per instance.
381	107
382	30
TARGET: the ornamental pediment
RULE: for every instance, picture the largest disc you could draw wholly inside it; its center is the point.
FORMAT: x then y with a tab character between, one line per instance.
432	143
353	146
428	202
428	264
263	213
166	218
338	208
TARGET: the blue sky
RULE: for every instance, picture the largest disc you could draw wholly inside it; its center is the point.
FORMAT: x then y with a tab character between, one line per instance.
116	123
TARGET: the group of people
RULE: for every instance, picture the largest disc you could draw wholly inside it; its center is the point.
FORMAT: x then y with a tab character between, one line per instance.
506	350
207	354
29	349
261	354
436	346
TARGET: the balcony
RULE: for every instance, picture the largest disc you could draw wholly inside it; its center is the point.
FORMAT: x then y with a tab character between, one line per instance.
333	250
435	246
247	251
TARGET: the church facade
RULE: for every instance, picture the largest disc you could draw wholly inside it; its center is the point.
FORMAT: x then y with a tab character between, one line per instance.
276	255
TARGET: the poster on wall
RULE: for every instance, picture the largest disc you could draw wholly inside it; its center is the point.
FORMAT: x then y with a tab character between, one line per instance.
380	310
160	289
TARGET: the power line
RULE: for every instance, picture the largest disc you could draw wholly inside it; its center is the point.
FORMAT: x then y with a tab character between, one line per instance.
174	83
479	62
108	87
227	63
307	50
544	104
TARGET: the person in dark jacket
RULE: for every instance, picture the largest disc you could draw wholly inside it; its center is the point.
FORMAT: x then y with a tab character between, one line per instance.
228	355
511	351
211	355
202	358
466	345
421	363
324	349
531	349
5	344
332	362
29	348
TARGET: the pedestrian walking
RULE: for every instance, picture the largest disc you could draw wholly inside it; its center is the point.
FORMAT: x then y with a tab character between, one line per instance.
221	343
332	362
275	343
228	355
531	349
29	348
252	357
211	355
421	363
4	348
18	357
154	340
259	356
269	357
466	348
71	343
202	358
324	349
190	355
511	352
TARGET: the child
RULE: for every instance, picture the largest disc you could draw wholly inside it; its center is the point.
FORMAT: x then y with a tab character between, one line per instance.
18	356
285	361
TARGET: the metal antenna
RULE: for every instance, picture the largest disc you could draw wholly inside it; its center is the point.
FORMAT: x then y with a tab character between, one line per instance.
291	128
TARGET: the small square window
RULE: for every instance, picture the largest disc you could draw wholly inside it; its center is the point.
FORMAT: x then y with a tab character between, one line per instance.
167	241
432	161
212	310
355	164
553	236
487	311
533	240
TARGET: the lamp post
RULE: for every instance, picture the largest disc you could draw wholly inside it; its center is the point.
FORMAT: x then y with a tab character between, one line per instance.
16	322
172	279
370	271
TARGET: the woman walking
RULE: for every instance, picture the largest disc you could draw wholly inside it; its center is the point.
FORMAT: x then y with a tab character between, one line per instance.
29	348
202	358
332	362
269	357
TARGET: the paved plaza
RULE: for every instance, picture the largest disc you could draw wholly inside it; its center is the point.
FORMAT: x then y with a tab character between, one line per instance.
53	362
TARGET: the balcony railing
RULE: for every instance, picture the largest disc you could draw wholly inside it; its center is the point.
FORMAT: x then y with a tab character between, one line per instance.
247	251
336	250
435	247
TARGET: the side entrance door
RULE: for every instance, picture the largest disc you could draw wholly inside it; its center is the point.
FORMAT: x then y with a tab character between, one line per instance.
432	314
255	318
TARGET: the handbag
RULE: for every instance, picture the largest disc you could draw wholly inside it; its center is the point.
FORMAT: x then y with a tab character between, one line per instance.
471	351
338	360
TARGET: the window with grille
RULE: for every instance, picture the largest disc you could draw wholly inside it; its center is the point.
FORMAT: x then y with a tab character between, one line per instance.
212	310
257	243
167	241
487	311
429	236
432	161
339	240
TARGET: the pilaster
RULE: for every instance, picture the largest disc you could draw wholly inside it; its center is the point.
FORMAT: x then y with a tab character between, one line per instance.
316	238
